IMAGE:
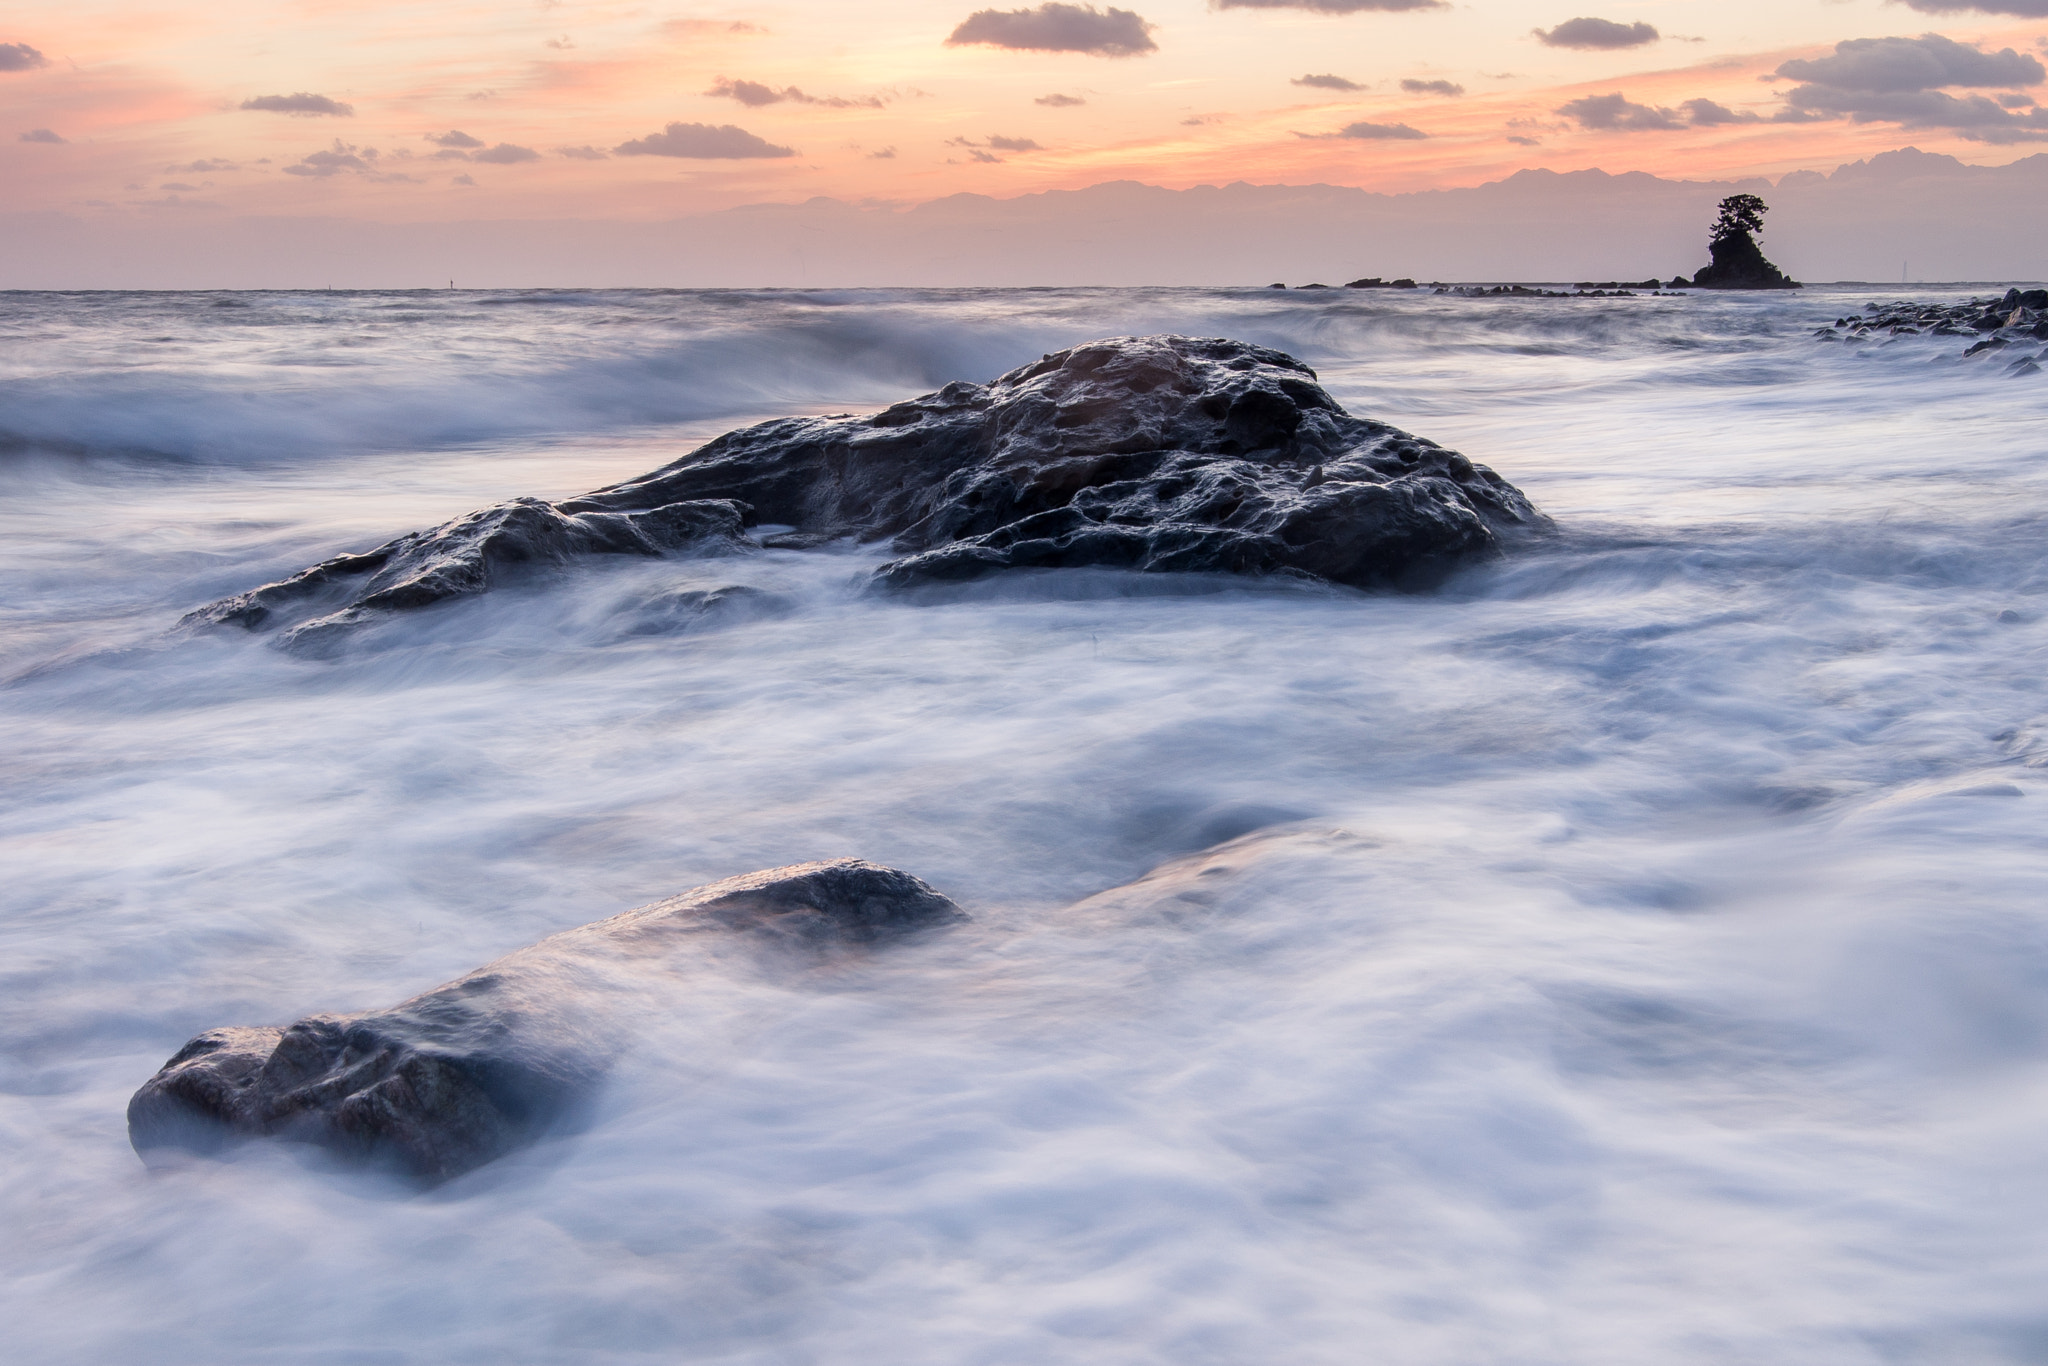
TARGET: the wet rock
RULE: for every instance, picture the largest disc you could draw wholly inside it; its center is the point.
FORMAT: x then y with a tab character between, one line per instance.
1162	454
686	609
447	1081
467	556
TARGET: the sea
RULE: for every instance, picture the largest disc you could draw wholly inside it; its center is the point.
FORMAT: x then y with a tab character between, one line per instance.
1634	950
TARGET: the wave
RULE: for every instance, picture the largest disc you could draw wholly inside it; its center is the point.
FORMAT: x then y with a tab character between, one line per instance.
284	377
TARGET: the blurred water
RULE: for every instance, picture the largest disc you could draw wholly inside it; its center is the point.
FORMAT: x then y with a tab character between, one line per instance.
1645	958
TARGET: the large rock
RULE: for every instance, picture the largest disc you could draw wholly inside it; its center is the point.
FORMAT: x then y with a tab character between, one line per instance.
1737	262
459	1075
1154	453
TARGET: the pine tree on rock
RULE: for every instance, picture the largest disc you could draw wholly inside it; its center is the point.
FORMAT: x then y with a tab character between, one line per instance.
1738	262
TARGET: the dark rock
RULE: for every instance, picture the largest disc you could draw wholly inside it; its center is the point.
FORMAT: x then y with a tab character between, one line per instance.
1988	344
1737	261
1163	454
447	1081
1276	285
470	555
2033	298
1375	282
1311	286
1678	282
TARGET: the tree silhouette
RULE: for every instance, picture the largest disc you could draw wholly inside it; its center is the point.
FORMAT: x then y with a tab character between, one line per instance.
1741	214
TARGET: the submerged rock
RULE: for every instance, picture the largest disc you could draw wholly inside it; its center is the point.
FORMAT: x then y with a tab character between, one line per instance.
1159	453
447	1081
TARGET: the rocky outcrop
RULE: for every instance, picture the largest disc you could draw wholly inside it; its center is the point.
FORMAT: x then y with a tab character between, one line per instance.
1162	454
442	1083
1737	262
2015	325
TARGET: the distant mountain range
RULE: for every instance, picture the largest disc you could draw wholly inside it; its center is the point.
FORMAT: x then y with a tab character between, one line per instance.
1938	218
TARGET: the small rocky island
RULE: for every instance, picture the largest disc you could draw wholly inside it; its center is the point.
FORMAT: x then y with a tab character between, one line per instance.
1162	454
1738	262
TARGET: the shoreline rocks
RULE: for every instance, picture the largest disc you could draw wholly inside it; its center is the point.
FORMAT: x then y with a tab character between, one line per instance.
1991	326
1162	454
462	1074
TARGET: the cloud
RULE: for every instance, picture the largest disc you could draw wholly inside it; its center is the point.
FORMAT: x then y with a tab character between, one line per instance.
1059	101
1327	82
302	105
1372	132
40	135
20	57
1707	114
1057	27
984	157
999	143
506	154
179	186
1521	141
585	153
1333	6
2025	9
1597	35
702	142
753	94
1899	80
463	180
561	44
1415	87
692	28
204	166
332	162
454	137
885	154
175	202
1613	114
1892	65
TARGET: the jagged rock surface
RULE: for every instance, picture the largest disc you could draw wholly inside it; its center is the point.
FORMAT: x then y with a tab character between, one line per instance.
462	1074
1155	453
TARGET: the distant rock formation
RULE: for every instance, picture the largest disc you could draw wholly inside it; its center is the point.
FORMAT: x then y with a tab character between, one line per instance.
1738	262
453	1078
1161	454
1375	282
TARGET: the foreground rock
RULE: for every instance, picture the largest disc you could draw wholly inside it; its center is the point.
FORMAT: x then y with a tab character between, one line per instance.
1163	454
451	1079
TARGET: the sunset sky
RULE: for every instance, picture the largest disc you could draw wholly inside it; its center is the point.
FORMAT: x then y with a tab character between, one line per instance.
441	109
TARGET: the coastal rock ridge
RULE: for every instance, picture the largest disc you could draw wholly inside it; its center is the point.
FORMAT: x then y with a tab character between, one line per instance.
1161	454
445	1082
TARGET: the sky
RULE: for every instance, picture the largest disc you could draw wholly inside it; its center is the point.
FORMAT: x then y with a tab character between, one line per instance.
445	109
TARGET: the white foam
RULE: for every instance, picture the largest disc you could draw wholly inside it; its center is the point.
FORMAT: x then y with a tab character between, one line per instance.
1650	967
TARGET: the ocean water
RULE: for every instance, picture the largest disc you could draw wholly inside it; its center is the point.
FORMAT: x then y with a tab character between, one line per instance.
1634	951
